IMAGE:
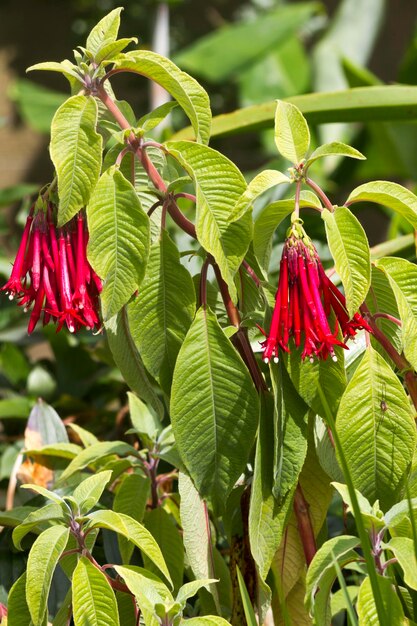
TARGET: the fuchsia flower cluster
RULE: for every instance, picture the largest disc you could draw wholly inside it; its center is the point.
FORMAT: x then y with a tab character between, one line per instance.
51	272
304	301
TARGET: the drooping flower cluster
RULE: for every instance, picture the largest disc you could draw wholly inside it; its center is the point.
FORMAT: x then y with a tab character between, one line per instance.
52	273
304	301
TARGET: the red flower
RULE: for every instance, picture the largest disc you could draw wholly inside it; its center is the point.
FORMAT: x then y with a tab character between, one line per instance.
304	301
52	272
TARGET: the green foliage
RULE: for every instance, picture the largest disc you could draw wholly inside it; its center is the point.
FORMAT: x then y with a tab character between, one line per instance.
213	503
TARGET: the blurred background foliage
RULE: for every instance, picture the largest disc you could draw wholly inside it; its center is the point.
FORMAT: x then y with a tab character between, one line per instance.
243	53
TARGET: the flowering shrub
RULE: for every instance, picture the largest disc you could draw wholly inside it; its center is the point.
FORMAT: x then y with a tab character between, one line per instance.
211	509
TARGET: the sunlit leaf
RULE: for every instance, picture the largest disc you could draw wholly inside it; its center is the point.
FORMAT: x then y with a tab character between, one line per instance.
94	602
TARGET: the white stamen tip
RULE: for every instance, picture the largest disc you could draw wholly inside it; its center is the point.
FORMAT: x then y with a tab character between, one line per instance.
311	359
71	329
334	358
276	359
87	328
266	360
11	296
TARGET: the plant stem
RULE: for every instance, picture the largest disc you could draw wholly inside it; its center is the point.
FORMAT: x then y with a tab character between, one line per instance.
305	527
203	283
319	191
297	199
387	316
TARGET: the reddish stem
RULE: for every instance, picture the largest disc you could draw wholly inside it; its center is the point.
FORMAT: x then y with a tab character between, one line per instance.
319	191
305	527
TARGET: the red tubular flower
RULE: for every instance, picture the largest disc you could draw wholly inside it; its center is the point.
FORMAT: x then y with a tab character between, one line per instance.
304	301
53	273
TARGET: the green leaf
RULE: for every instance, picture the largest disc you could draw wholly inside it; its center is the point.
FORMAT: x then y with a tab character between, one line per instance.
147	589
132	530
50	513
87	439
131	498
214	408
145	422
308	378
190	589
290	428
89	491
110	50
350	250
404	550
207	620
246	601
372	516
76	154
394	196
18	610
43	558
267	517
61	617
258	185
59	450
376	429
46	494
402	277
268	220
129	362
334	148
322	573
104	32
16	516
292	136
118	247
162	527
196	531
163	310
151	120
366	607
361	104
228	51
94	602
191	97
94	453
219	186
68	69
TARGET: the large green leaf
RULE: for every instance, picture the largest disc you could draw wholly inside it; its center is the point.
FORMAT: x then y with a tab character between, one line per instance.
163	310
196	531
229	50
392	195
361	104
131	499
51	512
402	276
118	247
132	530
76	154
43	558
162	527
18	610
290	429
214	408
267	517
129	361
93	599
104	32
322	573
334	148
366	607
308	378
350	250
268	220
376	430
219	186
404	551
292	136
258	185
148	591
207	620
191	97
